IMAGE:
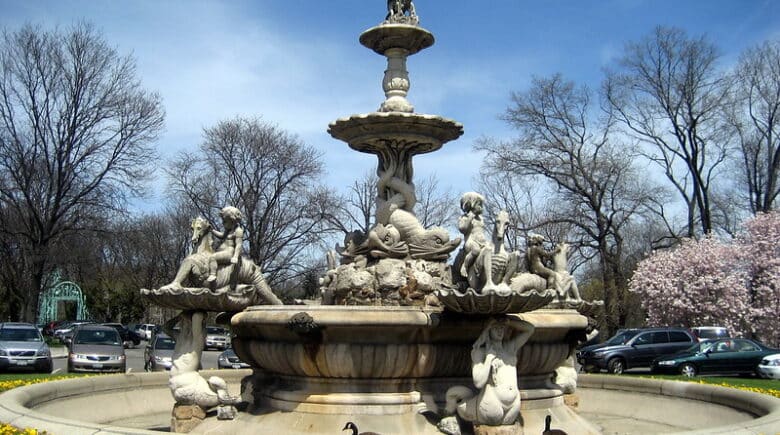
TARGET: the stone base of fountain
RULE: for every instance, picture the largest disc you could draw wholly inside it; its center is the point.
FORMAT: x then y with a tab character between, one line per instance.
388	367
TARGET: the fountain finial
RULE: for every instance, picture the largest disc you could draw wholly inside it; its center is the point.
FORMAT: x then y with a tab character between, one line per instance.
401	12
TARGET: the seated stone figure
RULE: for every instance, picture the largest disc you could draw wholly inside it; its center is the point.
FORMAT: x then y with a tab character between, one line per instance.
223	270
494	373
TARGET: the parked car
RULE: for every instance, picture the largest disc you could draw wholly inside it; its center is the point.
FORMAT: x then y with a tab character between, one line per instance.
217	338
710	332
769	367
22	346
635	348
146	330
96	348
65	332
229	360
726	356
620	338
129	338
158	354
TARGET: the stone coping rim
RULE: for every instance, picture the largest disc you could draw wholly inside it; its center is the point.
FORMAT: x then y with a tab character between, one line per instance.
410	37
13	402
395	117
393	316
765	407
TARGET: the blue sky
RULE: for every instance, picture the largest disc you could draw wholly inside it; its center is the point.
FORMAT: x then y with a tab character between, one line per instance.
299	64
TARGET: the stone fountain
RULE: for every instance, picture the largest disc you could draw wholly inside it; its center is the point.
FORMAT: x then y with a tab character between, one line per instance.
404	342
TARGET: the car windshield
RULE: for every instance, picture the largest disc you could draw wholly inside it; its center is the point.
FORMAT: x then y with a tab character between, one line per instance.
165	343
713	333
214	330
621	338
700	347
19	334
97	337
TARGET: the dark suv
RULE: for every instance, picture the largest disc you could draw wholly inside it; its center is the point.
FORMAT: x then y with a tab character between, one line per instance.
632	348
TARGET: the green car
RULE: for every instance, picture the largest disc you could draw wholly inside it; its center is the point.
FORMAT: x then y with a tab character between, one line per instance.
739	356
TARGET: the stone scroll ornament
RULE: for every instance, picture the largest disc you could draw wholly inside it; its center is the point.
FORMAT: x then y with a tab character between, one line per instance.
496	401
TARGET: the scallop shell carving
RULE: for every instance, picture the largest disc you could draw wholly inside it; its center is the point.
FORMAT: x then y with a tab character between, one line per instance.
471	302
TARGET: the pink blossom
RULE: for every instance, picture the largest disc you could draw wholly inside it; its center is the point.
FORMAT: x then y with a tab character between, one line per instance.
734	284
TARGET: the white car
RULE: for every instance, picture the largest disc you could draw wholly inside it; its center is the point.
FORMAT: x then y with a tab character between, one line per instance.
769	367
145	330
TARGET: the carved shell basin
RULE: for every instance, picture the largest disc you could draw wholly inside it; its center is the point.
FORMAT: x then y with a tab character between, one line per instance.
201	298
361	342
471	302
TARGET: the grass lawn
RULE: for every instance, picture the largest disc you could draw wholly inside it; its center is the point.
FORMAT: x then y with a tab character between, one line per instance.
758	385
13	380
24	376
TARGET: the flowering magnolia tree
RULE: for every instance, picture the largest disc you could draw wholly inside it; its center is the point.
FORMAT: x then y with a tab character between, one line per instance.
709	282
760	244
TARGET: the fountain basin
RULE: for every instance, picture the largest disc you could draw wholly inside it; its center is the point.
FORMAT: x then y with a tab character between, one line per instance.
359	342
413	133
390	363
141	404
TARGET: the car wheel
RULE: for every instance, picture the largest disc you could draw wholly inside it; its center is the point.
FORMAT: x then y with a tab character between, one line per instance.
45	368
616	366
688	370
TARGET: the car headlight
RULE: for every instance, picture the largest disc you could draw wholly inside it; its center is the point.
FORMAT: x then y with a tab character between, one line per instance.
222	358
3	352
44	352
771	363
666	363
77	356
162	358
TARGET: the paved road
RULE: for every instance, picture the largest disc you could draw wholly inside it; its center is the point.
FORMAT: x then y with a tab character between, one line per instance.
135	360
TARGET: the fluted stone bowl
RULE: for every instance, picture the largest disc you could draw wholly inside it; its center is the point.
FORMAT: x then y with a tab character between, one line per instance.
365	342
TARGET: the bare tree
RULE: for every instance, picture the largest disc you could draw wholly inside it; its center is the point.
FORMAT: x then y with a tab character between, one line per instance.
592	186
268	174
756	120
354	210
76	130
436	206
669	94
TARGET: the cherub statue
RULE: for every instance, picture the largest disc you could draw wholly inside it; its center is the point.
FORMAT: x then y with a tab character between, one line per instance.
472	225
486	265
397	10
228	250
537	259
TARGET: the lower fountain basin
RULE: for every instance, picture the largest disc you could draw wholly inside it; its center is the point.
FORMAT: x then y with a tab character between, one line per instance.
359	342
141	404
382	361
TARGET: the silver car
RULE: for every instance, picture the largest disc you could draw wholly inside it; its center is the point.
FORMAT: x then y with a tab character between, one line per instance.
217	338
229	360
159	353
22	346
96	348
